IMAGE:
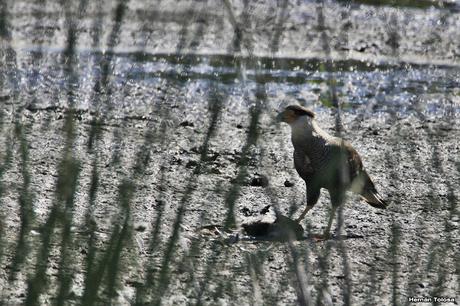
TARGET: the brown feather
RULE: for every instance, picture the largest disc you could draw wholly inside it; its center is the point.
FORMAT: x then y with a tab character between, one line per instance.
361	183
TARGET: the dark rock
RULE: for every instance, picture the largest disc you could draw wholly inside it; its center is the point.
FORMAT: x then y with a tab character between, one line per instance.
140	227
265	210
288	183
246	211
191	164
259	181
186	124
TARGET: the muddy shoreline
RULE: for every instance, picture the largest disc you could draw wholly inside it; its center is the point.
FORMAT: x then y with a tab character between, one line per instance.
399	154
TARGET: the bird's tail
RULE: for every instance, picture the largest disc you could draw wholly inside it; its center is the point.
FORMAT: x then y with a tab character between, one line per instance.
365	187
374	199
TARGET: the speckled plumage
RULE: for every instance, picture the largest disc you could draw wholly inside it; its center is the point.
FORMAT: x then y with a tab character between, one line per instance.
324	161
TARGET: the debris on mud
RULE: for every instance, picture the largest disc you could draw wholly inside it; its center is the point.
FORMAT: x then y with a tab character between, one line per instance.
283	229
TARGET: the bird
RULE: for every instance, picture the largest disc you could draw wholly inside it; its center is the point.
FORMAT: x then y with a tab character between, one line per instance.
326	161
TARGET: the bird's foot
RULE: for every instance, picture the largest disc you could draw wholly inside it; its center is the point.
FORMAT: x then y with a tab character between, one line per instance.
319	238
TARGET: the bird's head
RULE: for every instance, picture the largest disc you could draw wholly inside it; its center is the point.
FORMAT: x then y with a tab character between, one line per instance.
294	112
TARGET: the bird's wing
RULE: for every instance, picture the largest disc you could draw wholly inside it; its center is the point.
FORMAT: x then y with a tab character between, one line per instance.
302	164
354	162
361	183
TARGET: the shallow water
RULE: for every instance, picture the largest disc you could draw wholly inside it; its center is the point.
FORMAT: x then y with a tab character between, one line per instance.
140	80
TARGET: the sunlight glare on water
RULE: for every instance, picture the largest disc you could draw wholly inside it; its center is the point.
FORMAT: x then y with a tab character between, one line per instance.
138	82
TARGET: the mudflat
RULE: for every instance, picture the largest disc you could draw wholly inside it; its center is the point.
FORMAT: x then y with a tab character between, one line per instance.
136	192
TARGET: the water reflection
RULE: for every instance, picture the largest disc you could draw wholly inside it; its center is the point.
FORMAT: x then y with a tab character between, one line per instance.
138	79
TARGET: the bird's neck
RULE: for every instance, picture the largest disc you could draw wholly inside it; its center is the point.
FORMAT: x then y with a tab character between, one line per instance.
322	133
305	130
301	130
308	137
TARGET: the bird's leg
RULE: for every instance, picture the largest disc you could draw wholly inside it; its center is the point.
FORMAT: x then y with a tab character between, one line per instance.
327	231
312	198
302	215
337	198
